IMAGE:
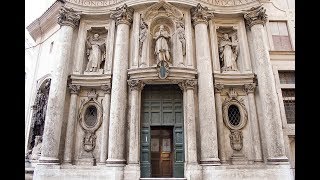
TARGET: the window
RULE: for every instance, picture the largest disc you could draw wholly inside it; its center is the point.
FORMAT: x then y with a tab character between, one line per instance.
287	78
234	115
91	116
280	36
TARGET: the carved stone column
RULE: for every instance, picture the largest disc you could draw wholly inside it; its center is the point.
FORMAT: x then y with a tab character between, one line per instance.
255	19
105	123
190	123
220	124
207	119
193	170
68	19
74	90
249	89
123	18
136	87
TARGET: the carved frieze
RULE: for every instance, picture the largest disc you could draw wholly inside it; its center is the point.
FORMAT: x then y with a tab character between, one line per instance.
68	17
122	15
255	15
200	14
236	140
136	84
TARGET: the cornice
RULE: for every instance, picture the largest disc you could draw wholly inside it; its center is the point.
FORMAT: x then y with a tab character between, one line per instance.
46	21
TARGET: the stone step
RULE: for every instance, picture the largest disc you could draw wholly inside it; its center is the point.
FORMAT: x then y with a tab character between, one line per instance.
163	178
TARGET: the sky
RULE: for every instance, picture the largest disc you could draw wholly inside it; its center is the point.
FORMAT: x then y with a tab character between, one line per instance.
33	10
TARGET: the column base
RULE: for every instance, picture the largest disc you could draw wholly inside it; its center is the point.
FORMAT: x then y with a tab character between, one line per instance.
193	171
132	172
211	161
48	160
116	161
278	160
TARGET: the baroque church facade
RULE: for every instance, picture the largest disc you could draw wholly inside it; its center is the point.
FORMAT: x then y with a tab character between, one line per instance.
171	89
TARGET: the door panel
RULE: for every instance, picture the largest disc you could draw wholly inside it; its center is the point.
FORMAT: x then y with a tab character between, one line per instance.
161	151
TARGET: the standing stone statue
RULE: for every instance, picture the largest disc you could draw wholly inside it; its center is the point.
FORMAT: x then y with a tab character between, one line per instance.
228	53
142	35
162	50
95	52
36	150
181	36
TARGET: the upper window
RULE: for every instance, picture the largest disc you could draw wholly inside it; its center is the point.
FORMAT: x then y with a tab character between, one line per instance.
280	36
288	94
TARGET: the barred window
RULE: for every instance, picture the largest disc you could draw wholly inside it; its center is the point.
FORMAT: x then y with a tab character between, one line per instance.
91	116
280	36
287	77
289	104
234	115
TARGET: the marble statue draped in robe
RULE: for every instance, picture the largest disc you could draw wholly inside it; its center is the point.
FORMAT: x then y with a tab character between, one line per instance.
181	36
228	51
95	52
36	150
162	50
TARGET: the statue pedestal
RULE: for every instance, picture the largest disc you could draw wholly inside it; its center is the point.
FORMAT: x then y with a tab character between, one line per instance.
100	71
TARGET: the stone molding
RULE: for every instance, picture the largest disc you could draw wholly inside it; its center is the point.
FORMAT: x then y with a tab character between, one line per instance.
74	89
106	88
122	15
255	15
136	84
68	17
218	88
249	88
200	14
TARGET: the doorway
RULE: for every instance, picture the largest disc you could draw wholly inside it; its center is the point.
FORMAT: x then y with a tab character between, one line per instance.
162	134
161	151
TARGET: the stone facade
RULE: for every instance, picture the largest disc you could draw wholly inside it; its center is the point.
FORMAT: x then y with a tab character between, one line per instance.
105	55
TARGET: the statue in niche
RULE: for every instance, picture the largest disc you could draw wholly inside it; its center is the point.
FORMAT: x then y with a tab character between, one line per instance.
36	150
181	36
228	53
96	53
142	35
162	50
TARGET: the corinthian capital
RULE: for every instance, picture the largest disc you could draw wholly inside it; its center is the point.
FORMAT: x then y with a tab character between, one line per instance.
218	88
136	84
200	14
68	17
106	88
74	89
188	84
255	15
249	88
122	15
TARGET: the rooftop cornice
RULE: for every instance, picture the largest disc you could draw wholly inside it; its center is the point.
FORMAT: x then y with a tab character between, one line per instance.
46	21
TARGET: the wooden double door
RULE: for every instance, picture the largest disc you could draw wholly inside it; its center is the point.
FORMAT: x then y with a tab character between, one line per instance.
161	151
161	138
